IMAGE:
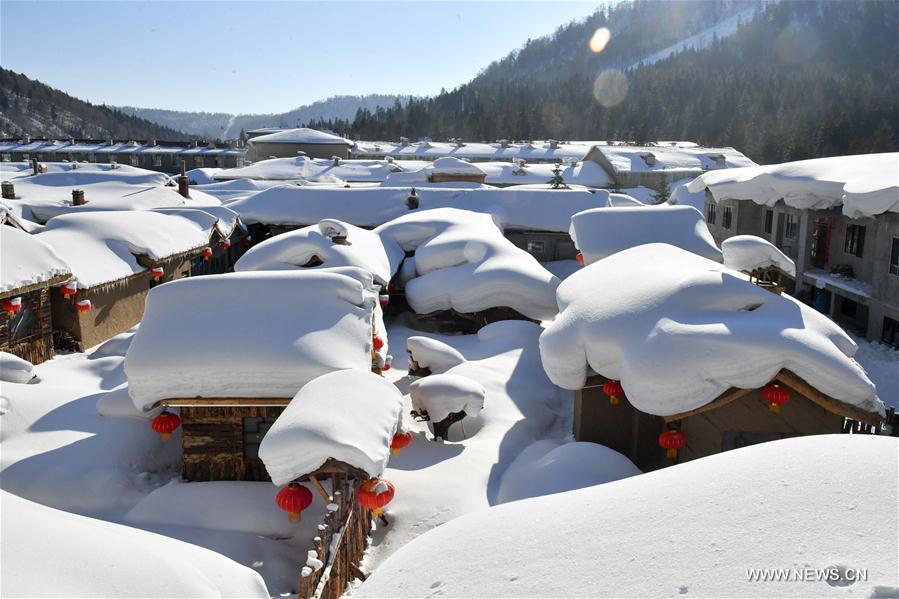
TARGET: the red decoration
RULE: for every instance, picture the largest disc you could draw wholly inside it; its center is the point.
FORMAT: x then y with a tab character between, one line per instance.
614	391
776	396
672	440
384	299
207	254
157	272
83	305
400	440
12	305
165	424
377	343
374	494
580	258
68	289
225	244
293	499
387	365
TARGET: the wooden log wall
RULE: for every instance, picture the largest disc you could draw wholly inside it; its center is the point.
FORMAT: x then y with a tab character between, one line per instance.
37	345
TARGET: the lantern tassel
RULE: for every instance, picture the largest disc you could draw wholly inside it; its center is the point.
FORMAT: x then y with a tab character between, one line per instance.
671	453
166	436
395	451
293	516
378	511
614	400
774	407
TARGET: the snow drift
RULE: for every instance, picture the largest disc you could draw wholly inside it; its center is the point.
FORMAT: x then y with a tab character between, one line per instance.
26	260
748	252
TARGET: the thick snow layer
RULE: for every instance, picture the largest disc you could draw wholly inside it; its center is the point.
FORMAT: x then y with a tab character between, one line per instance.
296	249
881	363
602	232
625	158
50	553
748	252
313	323
117	404
464	263
693	529
202	176
349	415
26	260
678	330
103	246
224	220
865	185
302	170
443	394
546	150
450	165
680	195
300	135
548	467
14	369
432	354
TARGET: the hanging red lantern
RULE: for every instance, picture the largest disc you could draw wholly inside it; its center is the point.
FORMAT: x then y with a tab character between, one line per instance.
388	364
374	494
157	272
68	289
580	258
165	424
377	343
614	390
384	299
776	396
207	254
400	440
12	305
293	499
225	244
672	440
83	305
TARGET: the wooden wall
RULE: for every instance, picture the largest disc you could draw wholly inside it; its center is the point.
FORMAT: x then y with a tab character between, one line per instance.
37	346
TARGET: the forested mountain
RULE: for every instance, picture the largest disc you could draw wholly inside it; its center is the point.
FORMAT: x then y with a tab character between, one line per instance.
30	107
795	80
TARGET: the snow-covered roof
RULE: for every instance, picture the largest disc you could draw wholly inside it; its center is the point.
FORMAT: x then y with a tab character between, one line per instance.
462	262
301	135
224	220
547	150
348	415
451	165
323	170
26	260
865	185
678	330
748	253
103	246
61	149
602	232
443	394
695	529
314	323
655	158
295	250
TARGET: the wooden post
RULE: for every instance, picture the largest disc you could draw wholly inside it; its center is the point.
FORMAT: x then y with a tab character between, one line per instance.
321	490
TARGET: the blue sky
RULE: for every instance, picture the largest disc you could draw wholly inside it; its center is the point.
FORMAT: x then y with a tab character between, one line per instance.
264	56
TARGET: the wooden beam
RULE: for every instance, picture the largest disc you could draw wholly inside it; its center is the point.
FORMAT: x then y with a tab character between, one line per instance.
725	398
226	401
830	404
321	490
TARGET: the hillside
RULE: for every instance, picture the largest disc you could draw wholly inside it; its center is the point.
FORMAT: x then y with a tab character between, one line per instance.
28	107
793	80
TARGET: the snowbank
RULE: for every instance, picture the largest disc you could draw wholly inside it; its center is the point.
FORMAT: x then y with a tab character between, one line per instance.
748	252
313	323
678	330
464	263
202	176
14	369
26	260
50	553
693	529
548	467
865	185
604	231
432	354
349	416
443	394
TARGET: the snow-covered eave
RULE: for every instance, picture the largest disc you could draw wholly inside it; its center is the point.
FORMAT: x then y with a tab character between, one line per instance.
143	260
52	281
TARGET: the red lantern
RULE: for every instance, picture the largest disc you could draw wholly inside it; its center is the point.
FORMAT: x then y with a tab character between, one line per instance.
672	440
83	305
225	244
293	499
165	424
400	440
377	343
388	364
384	299
374	494
157	272
12	305
580	258
776	396
614	391
68	289
207	254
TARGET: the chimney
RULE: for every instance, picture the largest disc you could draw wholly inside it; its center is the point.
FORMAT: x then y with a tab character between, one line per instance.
412	201
183	182
336	160
34	167
8	190
78	197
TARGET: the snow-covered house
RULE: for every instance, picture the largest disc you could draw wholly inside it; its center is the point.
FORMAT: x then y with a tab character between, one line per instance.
288	142
766	265
184	356
28	269
680	353
836	218
549	150
116	257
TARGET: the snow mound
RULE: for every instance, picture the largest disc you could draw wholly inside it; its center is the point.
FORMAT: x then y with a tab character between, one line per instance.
300	135
450	165
548	467
692	529
14	369
464	263
314	323
432	354
348	415
680	195
313	247
602	232
748	252
678	330
26	260
202	176
443	394
865	185
117	404
50	553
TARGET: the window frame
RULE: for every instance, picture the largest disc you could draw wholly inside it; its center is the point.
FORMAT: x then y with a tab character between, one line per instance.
712	213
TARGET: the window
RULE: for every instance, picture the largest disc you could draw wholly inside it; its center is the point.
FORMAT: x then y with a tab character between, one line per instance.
855	240
536	248
7	157
91	157
198	162
26	157
157	160
24	325
254	429
894	257
728	217
769	221
219	162
890	334
135	160
792	226
712	214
